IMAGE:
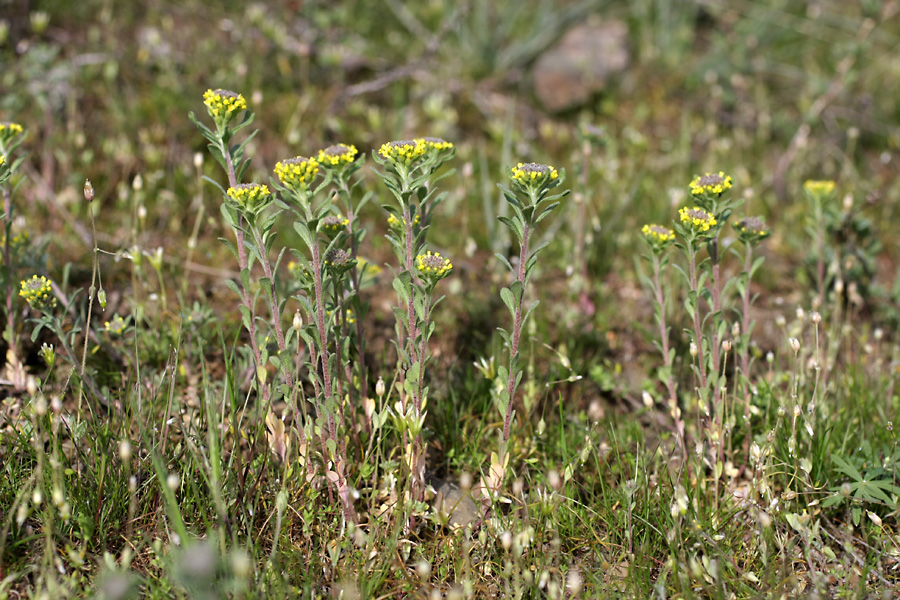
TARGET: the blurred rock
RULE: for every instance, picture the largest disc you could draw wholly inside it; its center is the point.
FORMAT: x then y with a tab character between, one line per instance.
581	64
457	505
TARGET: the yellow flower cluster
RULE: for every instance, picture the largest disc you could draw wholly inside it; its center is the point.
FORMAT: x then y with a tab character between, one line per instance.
297	173
116	326
2	159
403	152
752	229
223	104
18	243
753	225
249	196
38	292
819	188
395	222
711	184
658	233
433	264
370	268
334	223
8	131
339	154
533	172
698	218
338	258
434	143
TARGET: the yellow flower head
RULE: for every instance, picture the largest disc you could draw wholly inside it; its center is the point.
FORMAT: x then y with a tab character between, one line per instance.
752	229
658	236
19	243
396	223
533	173
297	173
8	131
820	189
433	265
370	268
337	155
38	292
403	152
338	258
332	224
250	197
116	326
223	104
2	159
711	184
434	144
697	218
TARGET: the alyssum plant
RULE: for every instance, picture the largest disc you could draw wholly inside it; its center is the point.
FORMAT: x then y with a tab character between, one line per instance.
697	227
251	211
531	201
329	277
409	173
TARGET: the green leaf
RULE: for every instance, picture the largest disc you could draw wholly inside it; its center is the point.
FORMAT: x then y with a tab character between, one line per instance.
509	300
506	262
846	468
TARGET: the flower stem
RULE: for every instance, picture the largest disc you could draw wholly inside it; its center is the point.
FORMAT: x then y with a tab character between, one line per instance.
320	325
698	333
242	263
517	331
354	282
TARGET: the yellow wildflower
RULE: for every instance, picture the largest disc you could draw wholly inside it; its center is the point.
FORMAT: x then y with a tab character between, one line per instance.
711	184
697	218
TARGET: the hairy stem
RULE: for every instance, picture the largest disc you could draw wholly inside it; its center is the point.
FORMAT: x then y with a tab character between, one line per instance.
354	282
698	333
320	325
517	331
7	262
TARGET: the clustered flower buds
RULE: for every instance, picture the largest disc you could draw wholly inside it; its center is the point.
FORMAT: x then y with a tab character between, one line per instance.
337	155
437	144
297	173
697	218
532	177
38	292
223	105
432	266
395	222
658	237
8	132
116	326
333	224
249	197
819	189
339	260
752	229
403	152
711	184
